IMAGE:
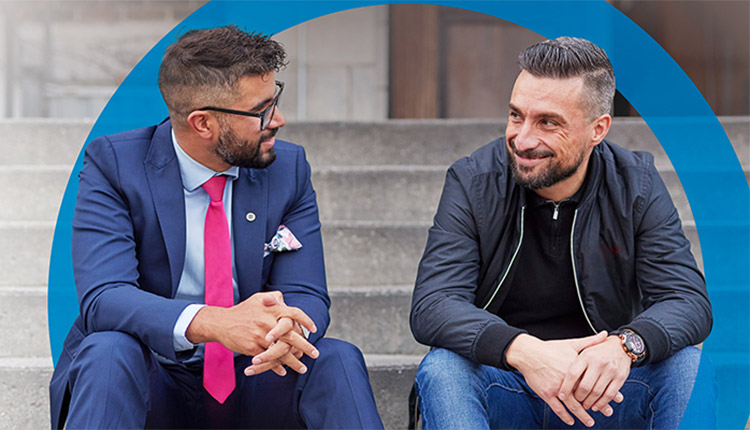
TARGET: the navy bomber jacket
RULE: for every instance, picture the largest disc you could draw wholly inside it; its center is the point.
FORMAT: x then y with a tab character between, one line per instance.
632	263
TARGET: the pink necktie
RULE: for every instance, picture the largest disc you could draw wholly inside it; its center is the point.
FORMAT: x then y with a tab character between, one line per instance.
218	362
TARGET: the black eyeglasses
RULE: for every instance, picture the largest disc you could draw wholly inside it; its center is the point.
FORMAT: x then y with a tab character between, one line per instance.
265	117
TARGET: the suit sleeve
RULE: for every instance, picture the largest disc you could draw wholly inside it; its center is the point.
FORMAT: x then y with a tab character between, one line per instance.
443	313
677	310
300	275
104	259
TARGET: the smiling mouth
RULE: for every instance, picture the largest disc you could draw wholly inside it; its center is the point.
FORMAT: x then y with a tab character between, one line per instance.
530	159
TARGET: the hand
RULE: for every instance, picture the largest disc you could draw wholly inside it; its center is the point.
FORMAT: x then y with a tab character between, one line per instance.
244	328
282	353
596	377
544	365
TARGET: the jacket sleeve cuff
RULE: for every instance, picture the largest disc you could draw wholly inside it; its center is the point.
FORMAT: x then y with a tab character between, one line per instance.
492	344
657	344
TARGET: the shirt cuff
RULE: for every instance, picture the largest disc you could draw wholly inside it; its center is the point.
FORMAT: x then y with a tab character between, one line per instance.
181	342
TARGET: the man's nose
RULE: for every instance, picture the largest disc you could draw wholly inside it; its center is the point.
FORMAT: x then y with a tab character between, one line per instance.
278	119
526	138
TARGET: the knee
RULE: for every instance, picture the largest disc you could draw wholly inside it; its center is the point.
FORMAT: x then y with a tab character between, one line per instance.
687	371
441	366
110	349
683	365
339	350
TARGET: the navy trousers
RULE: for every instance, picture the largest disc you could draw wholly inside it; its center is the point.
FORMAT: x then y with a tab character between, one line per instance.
116	382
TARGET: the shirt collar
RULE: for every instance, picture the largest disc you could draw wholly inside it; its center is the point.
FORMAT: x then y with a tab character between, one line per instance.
193	173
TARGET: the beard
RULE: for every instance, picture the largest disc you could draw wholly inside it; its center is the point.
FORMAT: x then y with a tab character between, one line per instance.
555	171
240	153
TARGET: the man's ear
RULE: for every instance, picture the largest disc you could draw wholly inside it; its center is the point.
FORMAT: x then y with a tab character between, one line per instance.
203	124
601	128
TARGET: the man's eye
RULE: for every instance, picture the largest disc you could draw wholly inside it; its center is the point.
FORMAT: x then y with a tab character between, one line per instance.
514	115
549	123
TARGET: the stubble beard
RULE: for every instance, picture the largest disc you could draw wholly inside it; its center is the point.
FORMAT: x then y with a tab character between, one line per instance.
554	172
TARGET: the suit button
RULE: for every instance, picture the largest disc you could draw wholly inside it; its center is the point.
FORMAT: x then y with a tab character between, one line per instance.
250	217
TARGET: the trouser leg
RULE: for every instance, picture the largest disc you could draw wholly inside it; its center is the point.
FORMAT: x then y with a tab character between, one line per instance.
671	382
109	382
336	392
655	396
457	393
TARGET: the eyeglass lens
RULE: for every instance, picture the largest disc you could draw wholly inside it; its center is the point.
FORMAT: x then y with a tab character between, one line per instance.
270	110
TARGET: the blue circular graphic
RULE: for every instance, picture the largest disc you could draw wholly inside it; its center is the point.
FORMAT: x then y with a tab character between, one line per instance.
653	83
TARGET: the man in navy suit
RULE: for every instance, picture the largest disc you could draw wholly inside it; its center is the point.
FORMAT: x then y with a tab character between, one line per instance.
134	357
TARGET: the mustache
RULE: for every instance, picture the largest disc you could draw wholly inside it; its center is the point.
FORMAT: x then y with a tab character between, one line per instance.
271	133
530	153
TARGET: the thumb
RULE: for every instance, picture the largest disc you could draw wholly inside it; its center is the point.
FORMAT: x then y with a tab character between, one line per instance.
582	343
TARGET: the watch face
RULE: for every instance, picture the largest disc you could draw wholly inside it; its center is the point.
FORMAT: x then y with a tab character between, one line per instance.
634	343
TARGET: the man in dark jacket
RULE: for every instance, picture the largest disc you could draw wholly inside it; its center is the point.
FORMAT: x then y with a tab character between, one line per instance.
556	275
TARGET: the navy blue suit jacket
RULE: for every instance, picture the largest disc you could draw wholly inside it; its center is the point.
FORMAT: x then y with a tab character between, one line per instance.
129	242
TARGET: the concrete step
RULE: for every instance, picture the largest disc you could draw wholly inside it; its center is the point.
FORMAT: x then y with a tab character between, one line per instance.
42	141
376	319
392	377
407	142
345	193
24	311
24	395
357	253
33	192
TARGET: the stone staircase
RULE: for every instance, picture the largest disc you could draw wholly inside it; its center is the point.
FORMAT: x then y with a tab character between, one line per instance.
378	185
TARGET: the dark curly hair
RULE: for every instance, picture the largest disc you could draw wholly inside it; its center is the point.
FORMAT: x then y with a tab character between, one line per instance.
567	57
203	66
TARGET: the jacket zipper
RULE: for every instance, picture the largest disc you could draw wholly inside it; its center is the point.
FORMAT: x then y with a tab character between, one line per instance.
556	211
520	240
575	274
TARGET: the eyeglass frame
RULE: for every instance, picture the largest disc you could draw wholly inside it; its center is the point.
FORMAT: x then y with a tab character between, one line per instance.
271	107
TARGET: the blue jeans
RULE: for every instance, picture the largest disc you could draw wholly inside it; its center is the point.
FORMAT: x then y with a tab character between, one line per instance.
456	393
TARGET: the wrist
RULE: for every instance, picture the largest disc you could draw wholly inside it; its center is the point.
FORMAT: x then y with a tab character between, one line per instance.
632	345
516	351
201	328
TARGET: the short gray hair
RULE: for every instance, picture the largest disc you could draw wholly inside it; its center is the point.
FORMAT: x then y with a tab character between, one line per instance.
569	57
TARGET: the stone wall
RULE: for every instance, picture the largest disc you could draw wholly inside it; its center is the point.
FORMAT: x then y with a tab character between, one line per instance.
66	58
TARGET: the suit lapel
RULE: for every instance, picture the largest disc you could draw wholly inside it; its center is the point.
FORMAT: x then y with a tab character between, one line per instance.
249	215
163	174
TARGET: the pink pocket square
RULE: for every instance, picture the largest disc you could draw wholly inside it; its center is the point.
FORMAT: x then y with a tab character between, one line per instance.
282	241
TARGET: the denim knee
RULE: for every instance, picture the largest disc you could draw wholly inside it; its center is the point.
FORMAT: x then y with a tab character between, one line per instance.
673	380
441	366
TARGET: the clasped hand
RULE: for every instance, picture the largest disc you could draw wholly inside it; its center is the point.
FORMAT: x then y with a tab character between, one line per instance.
262	326
577	374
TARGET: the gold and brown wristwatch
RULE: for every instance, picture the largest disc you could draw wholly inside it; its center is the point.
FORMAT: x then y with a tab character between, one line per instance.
632	344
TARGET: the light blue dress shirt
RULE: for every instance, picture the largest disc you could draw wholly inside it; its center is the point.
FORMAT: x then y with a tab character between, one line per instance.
191	286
